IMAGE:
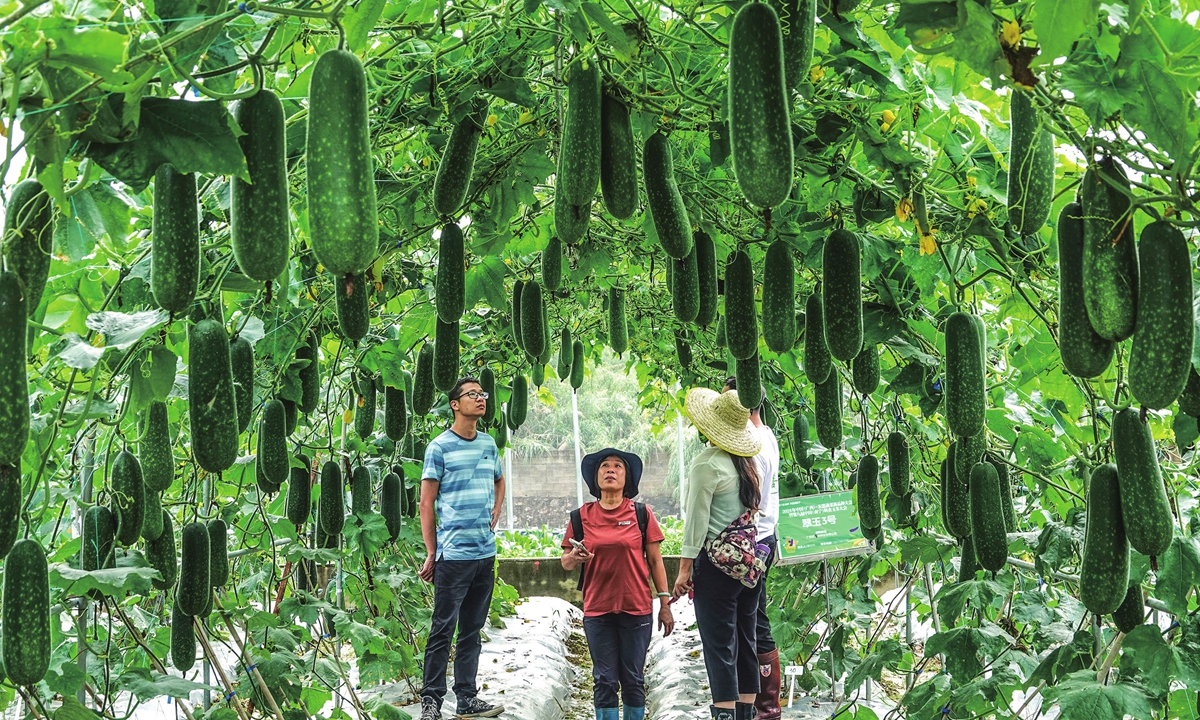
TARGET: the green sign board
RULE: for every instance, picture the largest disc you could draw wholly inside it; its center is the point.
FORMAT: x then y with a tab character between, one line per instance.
817	527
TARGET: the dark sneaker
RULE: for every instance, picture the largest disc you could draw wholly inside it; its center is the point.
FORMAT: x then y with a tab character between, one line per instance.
476	708
430	710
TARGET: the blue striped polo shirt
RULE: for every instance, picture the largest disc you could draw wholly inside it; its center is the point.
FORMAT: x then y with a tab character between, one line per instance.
466	471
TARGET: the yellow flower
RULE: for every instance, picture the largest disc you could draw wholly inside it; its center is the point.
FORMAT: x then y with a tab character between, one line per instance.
492	119
1011	34
971	181
904	209
928	244
526	117
976	207
889	118
348	416
816	74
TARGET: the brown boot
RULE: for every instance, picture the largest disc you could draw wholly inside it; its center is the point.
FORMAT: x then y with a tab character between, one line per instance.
767	701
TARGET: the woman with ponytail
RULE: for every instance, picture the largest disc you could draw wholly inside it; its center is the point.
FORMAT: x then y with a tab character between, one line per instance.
721	560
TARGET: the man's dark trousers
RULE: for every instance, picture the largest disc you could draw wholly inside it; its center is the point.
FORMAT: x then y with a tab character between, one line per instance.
462	596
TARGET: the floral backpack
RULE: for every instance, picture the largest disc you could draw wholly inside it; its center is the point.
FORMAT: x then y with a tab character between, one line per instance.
737	553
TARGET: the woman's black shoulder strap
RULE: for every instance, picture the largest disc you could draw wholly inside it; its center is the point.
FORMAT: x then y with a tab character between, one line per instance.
577	524
643	518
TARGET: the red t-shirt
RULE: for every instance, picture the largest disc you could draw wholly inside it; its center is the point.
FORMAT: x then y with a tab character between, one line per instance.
618	577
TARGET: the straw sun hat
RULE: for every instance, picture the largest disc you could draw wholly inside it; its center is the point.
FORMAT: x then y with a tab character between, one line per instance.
723	420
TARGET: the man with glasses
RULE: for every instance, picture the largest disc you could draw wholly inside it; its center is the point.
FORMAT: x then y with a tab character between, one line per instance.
463	483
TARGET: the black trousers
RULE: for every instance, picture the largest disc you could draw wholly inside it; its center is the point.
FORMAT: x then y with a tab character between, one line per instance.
762	630
726	614
618	643
462	596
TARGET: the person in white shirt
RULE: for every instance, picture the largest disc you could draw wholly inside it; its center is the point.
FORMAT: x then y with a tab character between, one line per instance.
767	460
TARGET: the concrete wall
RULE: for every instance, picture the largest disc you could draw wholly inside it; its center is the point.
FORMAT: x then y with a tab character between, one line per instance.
535	577
544	488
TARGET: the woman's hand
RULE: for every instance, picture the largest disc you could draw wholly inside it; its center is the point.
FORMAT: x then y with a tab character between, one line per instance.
576	557
666	622
683	585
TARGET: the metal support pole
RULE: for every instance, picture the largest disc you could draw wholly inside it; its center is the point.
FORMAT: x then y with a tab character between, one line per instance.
208	496
578	450
86	471
682	470
908	628
508	483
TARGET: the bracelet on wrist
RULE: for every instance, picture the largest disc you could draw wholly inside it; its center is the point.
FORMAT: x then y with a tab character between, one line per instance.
664	594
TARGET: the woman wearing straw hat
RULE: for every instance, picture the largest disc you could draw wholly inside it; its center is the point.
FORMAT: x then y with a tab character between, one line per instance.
721	560
617	542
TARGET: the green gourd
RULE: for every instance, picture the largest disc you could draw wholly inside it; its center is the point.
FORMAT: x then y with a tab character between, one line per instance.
272	443
1104	569
454	171
1084	352
842	295
99	534
445	355
310	374
618	329
571	221
618	159
195	585
29	239
241	362
827	404
779	297
26	613
518	402
183	639
129	497
865	370
749	381
299	495
450	282
870	512
667	211
579	156
160	554
258	219
361	492
533	336
518	289
364	412
422	398
552	265
211	398
965	398
1110	259
685	287
342	216
331	507
218	553
987	535
1132	611
1160	358
956	500
759	110
706	278
152	526
487	383
391	505
351	294
174	240
154	449
395	414
14	380
1030	165
1148	523
899	472
802	442
818	363
563	370
577	365
741	315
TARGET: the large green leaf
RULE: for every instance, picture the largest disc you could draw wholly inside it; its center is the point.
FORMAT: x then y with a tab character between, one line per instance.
1080	697
193	137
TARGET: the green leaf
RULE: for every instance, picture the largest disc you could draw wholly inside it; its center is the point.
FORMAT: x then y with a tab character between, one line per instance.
616	35
1059	23
111	581
71	709
199	137
76	353
885	654
965	646
1093	83
1080	697
120	330
147	684
359	21
1178	573
152	377
485	281
1186	430
952	599
1157	104
381	709
1156	662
